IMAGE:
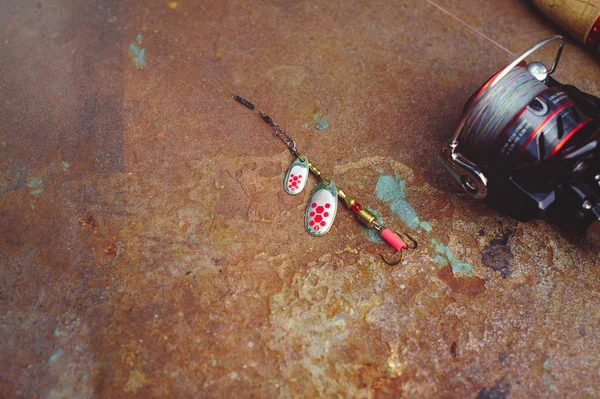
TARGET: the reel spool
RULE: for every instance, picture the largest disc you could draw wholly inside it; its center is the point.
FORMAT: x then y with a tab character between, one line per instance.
528	144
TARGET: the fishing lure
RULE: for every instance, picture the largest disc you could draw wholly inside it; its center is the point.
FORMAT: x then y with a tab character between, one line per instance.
323	203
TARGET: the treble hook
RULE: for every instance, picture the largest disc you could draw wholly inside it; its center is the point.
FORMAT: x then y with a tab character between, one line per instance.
409	244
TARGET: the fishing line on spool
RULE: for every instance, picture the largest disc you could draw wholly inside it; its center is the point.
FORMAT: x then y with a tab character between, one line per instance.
490	112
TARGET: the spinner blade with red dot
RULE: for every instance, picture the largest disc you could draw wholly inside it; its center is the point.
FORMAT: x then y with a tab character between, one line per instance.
321	208
297	176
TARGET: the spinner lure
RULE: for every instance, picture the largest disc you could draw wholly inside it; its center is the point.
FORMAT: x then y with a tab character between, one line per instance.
323	203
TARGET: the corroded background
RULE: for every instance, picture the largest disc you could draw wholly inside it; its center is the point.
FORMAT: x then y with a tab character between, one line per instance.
147	247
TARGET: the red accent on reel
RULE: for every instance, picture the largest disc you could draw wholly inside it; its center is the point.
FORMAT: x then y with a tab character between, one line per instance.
566	139
539	128
538	131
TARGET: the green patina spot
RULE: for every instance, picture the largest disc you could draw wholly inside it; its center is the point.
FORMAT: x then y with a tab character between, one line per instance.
55	356
426	226
37	191
392	190
56	332
35	182
457	266
66	165
547	365
441	260
322	123
139	54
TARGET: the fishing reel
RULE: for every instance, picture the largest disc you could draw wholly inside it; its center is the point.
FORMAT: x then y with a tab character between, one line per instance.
529	145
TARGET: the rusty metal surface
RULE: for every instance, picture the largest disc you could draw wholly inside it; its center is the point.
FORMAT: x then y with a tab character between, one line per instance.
147	248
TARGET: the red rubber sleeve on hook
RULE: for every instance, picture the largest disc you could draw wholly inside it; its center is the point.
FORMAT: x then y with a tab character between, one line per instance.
393	239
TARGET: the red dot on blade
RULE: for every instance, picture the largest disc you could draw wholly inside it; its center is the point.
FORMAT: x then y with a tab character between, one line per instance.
292	175
314	205
327	206
312	214
323	223
326	214
318	218
316	228
320	209
312	223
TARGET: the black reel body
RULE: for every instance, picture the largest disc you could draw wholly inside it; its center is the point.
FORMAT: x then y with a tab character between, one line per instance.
529	145
546	161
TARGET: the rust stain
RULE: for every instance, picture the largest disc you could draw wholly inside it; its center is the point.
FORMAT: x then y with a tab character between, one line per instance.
88	223
470	286
453	350
549	255
219	291
389	387
111	249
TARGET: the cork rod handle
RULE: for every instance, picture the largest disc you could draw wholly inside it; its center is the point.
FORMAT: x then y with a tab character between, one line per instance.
581	18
